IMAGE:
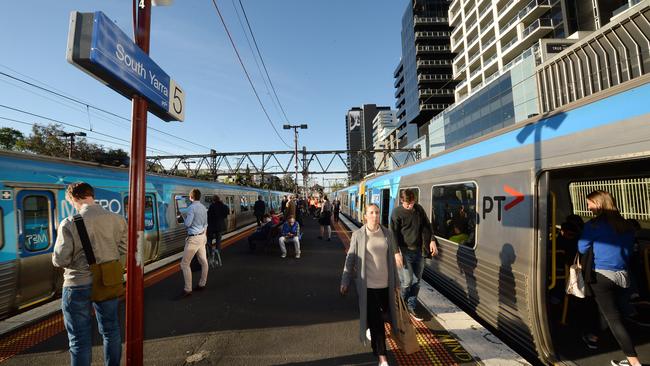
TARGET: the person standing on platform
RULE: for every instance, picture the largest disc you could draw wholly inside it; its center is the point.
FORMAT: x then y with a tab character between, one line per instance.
611	238
283	206
337	210
196	223
291	207
372	262
411	230
259	209
108	235
217	215
325	220
290	233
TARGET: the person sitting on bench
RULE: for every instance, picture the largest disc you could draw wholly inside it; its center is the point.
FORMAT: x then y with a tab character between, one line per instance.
262	233
290	232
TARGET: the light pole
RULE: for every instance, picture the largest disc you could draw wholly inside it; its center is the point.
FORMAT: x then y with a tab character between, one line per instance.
71	136
295	141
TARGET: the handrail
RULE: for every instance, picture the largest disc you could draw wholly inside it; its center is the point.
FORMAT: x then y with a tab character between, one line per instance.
646	256
553	241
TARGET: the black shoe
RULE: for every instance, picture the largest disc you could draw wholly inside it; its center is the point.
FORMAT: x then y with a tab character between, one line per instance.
320	237
329	239
185	295
590	343
199	288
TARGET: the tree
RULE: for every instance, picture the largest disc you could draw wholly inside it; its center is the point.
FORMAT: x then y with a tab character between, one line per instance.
9	138
287	183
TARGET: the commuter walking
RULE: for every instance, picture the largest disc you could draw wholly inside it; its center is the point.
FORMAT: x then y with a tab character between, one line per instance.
325	219
611	238
107	233
196	223
217	215
371	262
290	233
411	230
259	209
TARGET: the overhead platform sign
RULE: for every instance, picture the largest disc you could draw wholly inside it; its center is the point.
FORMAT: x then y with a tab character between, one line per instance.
99	47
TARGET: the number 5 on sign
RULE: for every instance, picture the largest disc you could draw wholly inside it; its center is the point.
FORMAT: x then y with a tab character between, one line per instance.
176	101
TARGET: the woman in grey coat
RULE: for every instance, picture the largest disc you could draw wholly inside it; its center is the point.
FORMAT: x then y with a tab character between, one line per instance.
372	265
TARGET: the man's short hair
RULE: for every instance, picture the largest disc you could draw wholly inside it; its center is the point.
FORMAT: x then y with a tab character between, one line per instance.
216	198
195	194
80	190
290	217
407	195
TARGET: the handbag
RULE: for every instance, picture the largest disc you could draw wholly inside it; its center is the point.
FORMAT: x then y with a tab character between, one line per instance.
576	284
108	276
405	335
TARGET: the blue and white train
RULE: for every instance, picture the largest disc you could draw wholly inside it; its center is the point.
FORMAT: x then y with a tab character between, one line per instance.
497	204
32	203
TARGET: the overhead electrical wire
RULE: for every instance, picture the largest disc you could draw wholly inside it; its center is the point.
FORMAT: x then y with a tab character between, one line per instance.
262	59
76	100
250	81
67	124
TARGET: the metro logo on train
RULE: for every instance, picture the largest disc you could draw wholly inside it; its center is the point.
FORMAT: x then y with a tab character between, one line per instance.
488	202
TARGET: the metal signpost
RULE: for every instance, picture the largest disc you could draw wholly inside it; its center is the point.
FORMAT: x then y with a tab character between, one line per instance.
100	48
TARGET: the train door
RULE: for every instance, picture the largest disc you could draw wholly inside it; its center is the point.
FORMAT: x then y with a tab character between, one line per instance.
231	222
385	206
151	225
36	236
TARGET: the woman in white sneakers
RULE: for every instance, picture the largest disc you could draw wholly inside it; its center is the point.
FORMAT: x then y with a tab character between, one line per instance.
372	264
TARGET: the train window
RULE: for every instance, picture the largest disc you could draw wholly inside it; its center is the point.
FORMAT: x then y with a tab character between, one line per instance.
243	203
149	216
36	223
454	212
415	190
182	203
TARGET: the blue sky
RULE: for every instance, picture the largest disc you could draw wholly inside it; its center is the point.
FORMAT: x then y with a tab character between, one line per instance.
323	57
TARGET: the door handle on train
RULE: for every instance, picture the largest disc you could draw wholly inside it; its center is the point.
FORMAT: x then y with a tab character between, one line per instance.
19	216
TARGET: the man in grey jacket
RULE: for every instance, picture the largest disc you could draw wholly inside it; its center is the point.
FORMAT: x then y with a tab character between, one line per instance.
108	234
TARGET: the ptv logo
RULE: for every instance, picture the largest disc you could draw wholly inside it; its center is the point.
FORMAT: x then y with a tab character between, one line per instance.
488	202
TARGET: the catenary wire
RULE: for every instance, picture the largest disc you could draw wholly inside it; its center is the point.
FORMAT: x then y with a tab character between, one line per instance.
262	59
232	42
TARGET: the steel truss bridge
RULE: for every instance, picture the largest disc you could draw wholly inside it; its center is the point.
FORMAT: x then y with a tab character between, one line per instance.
220	164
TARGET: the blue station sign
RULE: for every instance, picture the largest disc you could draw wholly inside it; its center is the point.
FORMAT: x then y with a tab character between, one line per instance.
99	47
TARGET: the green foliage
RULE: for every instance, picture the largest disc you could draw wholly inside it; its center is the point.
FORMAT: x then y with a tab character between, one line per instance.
47	140
9	138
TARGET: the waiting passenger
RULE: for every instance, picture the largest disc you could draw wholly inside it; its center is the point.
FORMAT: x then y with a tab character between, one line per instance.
373	246
459	236
261	233
611	238
275	218
217	215
290	233
259	209
337	210
325	220
196	223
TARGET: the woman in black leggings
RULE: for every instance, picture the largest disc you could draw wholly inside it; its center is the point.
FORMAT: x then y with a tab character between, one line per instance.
611	238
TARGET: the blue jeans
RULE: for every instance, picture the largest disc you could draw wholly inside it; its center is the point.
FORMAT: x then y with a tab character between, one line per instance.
77	318
410	276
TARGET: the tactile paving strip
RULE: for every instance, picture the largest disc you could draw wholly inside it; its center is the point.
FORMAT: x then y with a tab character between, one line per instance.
32	335
432	351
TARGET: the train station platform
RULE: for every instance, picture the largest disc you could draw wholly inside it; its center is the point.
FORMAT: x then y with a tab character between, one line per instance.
260	309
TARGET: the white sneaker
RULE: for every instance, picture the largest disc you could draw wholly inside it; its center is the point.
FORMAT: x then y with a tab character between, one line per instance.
383	364
368	334
298	256
284	255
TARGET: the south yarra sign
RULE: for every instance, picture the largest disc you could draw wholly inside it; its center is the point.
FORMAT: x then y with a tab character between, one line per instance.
99	47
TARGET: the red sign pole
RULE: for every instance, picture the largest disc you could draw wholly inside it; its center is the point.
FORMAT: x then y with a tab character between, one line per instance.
135	266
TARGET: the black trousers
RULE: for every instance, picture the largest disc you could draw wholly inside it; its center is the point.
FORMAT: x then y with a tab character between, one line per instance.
377	311
606	294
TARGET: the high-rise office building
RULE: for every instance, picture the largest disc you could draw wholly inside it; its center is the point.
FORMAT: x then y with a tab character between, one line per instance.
423	78
358	132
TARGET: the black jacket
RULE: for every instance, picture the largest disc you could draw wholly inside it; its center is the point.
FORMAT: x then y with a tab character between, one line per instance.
259	208
217	214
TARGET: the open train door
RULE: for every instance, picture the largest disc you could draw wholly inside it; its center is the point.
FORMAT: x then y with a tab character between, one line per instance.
151	227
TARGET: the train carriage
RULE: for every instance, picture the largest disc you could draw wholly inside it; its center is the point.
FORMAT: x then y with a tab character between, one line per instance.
497	204
32	203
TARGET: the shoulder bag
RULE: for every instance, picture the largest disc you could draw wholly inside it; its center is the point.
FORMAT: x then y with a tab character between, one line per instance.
576	284
107	277
405	333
